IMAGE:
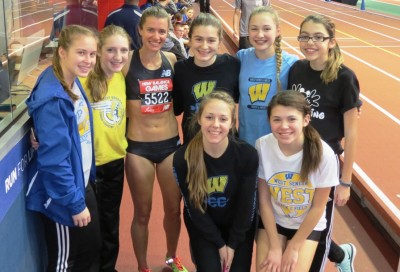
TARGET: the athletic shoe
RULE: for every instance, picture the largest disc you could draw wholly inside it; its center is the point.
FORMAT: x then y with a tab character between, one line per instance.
175	264
349	254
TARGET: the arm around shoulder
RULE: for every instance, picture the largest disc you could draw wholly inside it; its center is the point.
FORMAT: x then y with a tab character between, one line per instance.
171	58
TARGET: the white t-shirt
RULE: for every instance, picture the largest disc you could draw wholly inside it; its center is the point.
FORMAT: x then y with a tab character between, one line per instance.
290	195
83	120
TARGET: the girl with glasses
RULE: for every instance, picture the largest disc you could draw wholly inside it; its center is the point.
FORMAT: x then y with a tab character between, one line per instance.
332	90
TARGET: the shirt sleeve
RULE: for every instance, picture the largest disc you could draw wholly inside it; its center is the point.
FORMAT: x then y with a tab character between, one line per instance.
261	173
201	221
351	90
246	201
236	93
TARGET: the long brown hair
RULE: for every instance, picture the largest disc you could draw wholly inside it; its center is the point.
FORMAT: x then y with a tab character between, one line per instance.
197	172
97	80
65	40
335	57
312	147
269	11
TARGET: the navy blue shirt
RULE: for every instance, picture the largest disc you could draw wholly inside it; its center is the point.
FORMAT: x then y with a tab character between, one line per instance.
127	17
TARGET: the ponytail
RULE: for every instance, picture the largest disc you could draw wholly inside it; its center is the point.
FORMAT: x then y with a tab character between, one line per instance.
312	151
65	40
273	14
197	173
97	82
332	67
60	76
278	58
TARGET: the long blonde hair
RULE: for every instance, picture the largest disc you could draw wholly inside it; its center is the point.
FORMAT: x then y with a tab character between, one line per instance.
97	80
197	172
277	43
335	57
65	40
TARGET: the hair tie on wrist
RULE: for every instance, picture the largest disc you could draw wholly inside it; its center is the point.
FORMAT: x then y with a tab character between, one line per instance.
345	184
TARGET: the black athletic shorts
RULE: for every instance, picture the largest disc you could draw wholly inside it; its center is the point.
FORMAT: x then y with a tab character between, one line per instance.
289	233
155	152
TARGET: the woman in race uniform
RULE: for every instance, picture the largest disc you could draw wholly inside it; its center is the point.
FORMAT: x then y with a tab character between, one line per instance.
152	136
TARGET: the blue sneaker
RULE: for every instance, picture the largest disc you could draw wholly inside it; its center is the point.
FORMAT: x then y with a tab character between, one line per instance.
347	265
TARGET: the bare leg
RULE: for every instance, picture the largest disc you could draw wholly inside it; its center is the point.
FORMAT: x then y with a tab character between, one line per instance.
262	248
306	255
140	176
171	202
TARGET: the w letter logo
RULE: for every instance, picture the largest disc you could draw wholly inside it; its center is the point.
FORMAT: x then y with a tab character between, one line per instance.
201	89
217	184
258	92
288	176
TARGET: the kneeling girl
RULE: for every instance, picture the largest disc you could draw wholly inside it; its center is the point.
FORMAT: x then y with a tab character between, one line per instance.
296	171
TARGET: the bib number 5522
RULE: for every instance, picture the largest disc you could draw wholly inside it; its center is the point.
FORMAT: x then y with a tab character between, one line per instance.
156	98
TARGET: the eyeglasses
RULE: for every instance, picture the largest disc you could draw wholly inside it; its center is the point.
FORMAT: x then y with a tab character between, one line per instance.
303	38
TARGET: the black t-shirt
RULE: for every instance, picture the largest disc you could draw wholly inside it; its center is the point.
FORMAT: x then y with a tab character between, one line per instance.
192	83
328	101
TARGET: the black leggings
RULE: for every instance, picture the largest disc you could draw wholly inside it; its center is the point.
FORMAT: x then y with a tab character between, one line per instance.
327	247
109	187
206	255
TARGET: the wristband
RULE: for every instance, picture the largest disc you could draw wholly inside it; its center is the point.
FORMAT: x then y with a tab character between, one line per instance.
345	184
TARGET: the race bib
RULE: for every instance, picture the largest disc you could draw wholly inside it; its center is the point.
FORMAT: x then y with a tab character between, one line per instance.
155	95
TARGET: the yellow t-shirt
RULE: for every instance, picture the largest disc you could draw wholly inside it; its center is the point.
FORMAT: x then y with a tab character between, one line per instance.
109	121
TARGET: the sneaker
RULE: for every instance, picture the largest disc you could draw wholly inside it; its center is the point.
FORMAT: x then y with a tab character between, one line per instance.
349	254
175	264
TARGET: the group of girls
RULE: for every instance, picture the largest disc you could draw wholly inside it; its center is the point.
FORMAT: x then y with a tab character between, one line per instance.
294	186
216	173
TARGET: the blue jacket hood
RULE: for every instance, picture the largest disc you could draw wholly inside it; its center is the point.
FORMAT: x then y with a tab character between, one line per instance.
50	88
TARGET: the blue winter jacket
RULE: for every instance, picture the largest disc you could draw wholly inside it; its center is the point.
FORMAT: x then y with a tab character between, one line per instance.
56	179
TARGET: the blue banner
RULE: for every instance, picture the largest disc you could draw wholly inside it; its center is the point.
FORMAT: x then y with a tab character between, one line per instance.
14	173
